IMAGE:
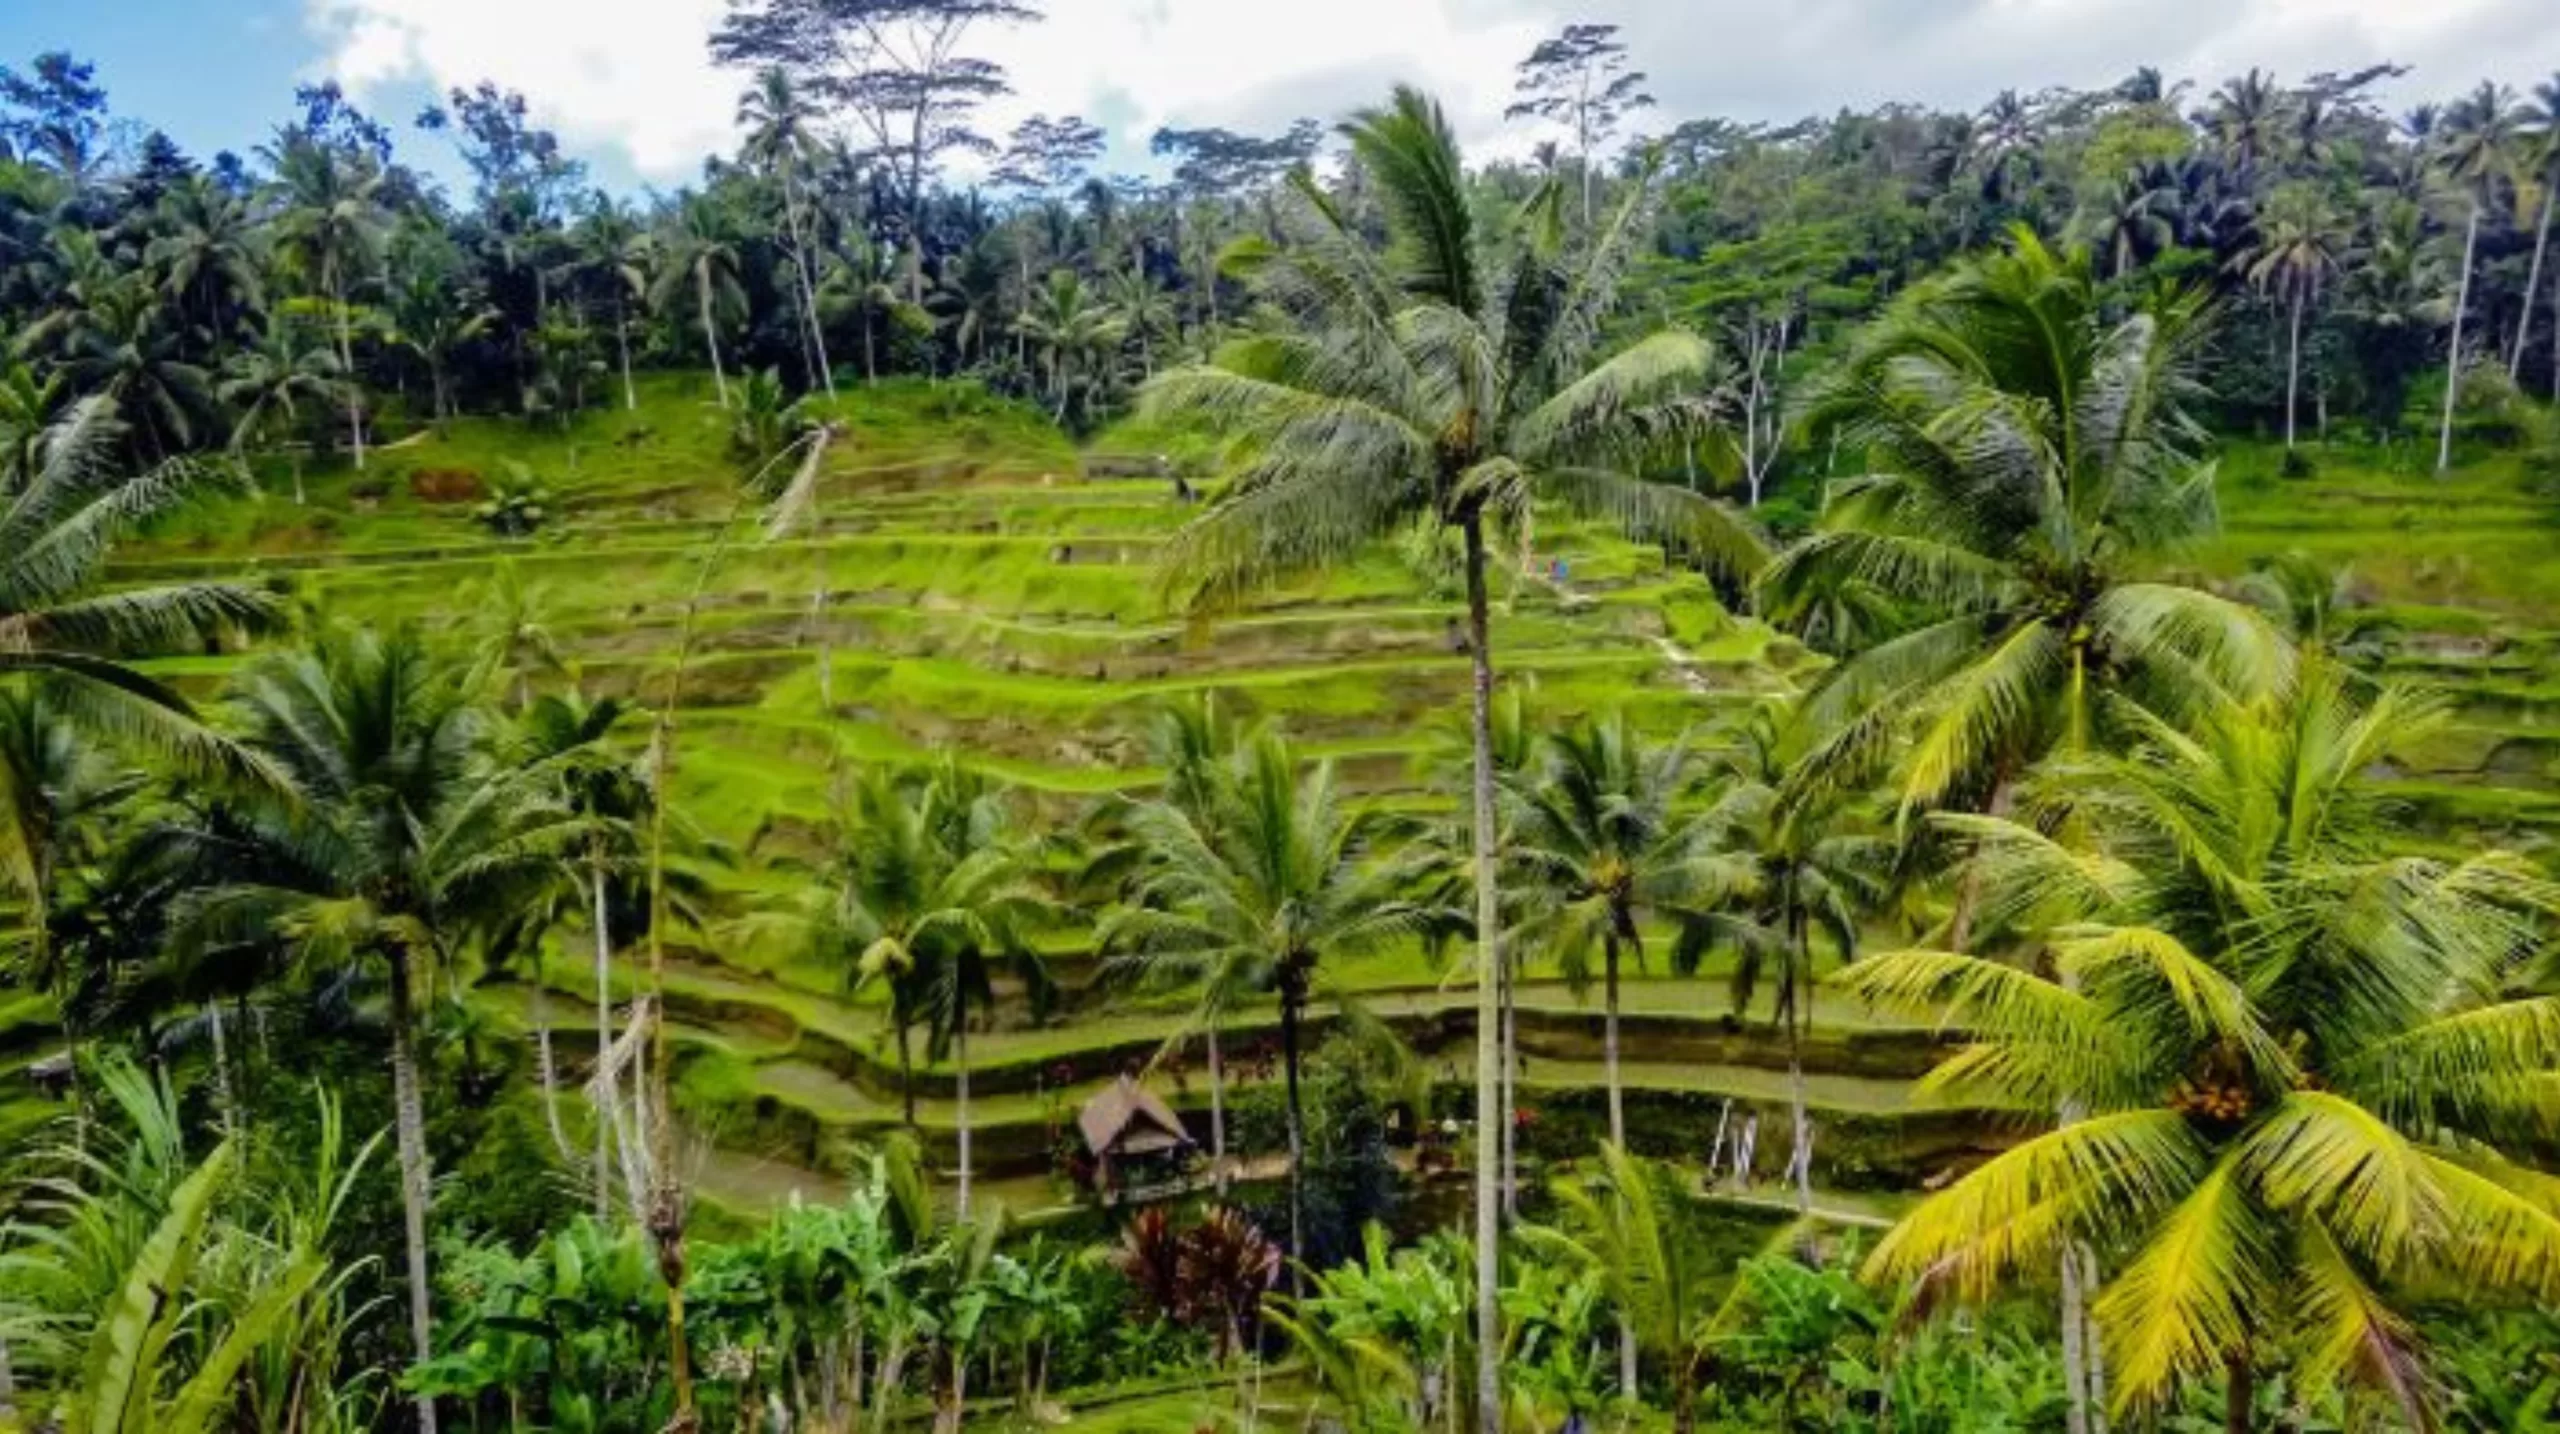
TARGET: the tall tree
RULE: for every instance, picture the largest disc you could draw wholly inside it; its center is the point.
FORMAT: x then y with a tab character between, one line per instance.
1442	383
696	258
1271	879
395	843
2475	152
2024	453
928	896
779	122
328	217
1603	837
1580	79
901	67
2301	244
2542	165
266	382
612	255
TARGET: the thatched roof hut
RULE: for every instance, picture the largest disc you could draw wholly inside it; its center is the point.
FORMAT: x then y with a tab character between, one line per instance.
1125	1119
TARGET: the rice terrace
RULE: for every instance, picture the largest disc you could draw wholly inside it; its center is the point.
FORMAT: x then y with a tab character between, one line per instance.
1518	756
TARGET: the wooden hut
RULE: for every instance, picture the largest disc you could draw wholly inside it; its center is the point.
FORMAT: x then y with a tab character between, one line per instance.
1135	1139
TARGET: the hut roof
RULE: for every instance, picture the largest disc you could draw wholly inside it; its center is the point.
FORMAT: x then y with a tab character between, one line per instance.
1126	1118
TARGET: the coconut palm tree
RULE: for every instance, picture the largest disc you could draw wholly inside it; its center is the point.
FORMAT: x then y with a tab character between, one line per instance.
1788	859
780	125
2026	454
401	843
927	895
2285	1044
2474	151
610	251
2301	243
206	255
1600	837
56	788
30	402
1447	381
697	259
328	219
64	680
1196	745
56	532
2243	119
122	349
265	381
1270	881
1145	309
2542	164
1075	333
432	316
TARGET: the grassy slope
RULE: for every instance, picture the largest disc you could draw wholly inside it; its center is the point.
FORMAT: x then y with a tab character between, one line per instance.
985	601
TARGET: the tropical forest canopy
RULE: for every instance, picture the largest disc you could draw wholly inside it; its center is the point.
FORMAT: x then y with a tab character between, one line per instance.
1887	772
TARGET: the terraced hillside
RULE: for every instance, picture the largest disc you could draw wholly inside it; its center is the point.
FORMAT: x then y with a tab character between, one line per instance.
967	585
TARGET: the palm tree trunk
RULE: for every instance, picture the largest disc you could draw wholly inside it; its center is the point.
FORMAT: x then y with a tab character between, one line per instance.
228	1094
2293	371
1489	1117
2239	1392
605	1115
1510	983
1292	998
2453	354
710	333
355	402
2533	277
1217	1113
808	291
409	1125
622	342
906	1070
1801	997
1609	1042
545	1070
960	1059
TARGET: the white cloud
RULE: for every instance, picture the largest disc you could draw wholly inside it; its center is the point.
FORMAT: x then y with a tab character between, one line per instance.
633	78
620	75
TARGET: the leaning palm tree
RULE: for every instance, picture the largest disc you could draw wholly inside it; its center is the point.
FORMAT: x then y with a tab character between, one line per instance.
56	532
2301	243
2293	1072
265	382
1256	894
697	260
401	844
2475	150
1449	381
2027	456
329	221
781	139
2541	164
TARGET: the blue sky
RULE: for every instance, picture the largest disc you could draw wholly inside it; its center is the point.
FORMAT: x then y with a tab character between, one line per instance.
630	89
